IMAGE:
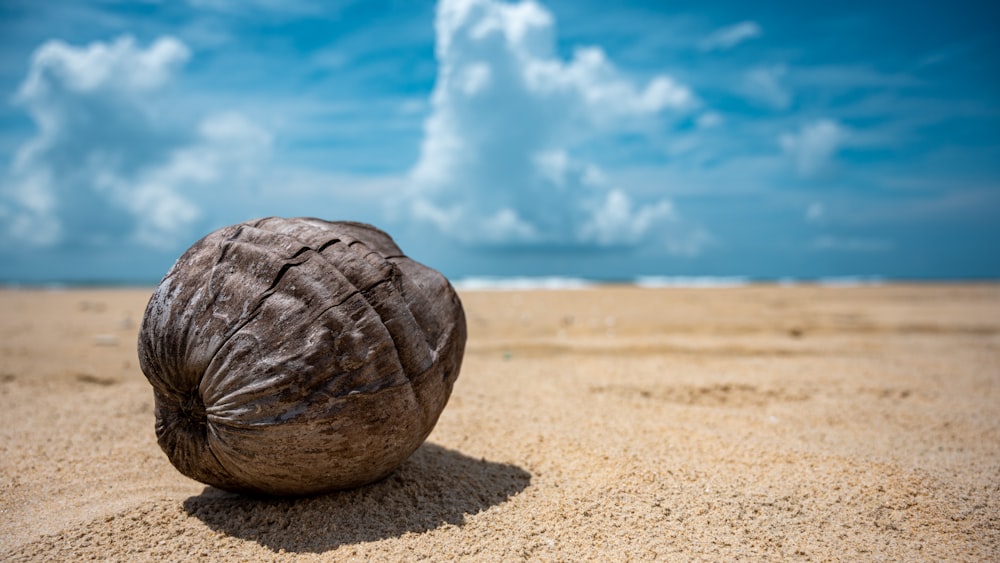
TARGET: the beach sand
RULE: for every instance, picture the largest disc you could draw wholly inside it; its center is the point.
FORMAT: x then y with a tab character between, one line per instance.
762	422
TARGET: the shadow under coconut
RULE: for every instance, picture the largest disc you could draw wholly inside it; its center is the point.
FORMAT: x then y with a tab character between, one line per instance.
436	486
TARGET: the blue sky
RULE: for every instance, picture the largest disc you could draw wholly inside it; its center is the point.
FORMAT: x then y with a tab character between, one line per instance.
580	138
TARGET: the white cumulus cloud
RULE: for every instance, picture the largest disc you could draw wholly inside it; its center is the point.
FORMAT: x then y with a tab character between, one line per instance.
497	163
108	164
812	148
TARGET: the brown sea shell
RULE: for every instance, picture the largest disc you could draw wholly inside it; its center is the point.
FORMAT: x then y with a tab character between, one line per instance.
298	356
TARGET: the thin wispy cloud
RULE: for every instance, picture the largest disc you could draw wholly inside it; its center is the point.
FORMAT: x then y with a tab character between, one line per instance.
764	85
829	243
726	38
815	212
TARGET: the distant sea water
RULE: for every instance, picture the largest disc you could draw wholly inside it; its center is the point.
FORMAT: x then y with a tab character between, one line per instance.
503	283
509	283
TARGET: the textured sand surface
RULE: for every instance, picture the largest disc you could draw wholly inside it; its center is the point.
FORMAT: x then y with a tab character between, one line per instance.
801	423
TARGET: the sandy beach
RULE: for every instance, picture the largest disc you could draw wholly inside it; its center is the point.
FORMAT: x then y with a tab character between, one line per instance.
762	422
